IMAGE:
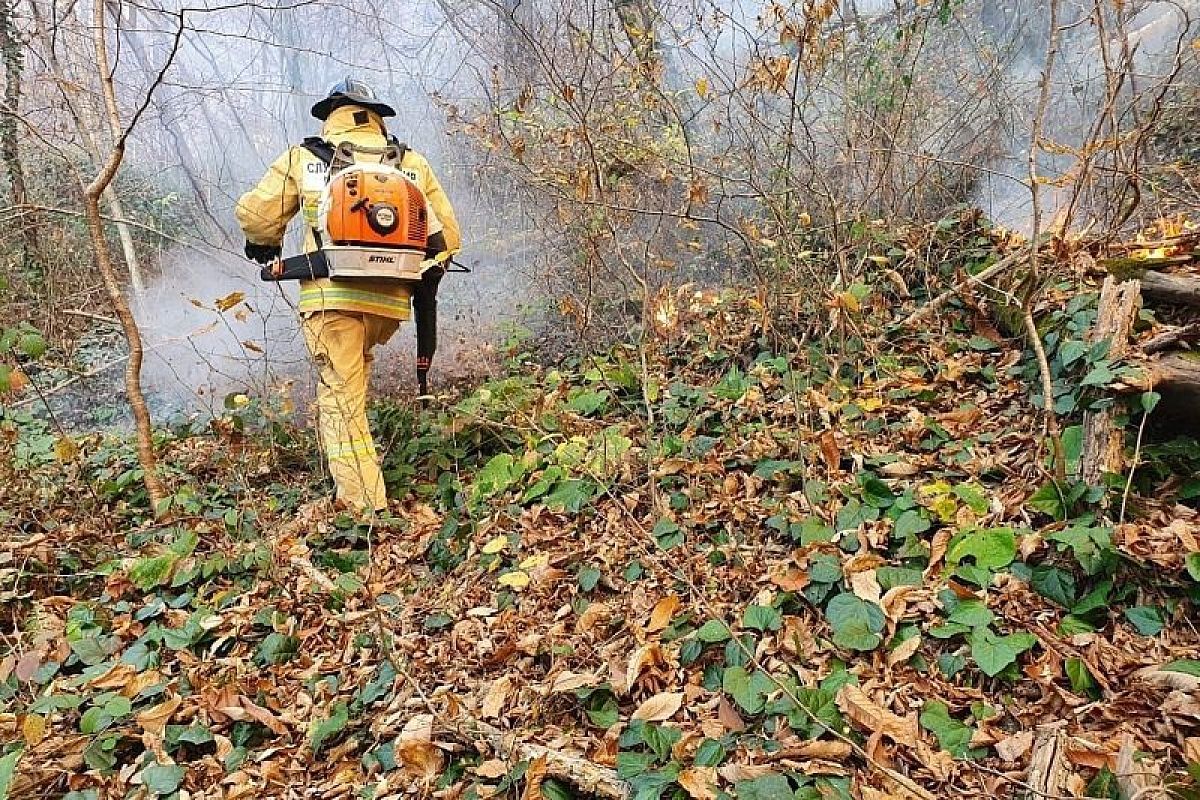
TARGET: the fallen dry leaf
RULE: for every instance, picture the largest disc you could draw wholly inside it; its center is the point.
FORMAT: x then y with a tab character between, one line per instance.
647	655
904	651
664	611
869	716
492	769
660	707
154	720
866	585
699	782
496	698
33	729
729	716
1014	748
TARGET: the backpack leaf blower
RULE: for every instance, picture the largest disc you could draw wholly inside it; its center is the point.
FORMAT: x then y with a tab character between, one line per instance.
373	223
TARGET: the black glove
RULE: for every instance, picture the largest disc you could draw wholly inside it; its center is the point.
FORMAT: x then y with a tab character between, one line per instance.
262	253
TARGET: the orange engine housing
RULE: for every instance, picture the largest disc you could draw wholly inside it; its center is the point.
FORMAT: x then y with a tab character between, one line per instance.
375	208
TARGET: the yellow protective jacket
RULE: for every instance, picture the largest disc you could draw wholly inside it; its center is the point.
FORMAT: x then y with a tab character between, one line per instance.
294	182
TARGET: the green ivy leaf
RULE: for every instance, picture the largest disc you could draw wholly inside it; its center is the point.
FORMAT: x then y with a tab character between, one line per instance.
988	548
8	766
553	790
1054	584
1185	665
972	614
762	618
771	786
1071	351
710	753
146	573
1099	375
747	690
993	653
499	473
824	568
953	736
856	624
713	631
1192	563
667	534
1081	679
163	779
321	730
589	578
277	648
1146	619
585	403
1091	546
1048	500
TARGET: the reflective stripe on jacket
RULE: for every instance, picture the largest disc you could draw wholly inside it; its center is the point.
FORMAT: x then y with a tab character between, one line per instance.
293	184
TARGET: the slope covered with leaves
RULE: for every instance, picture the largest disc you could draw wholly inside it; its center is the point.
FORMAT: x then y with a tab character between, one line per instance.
757	557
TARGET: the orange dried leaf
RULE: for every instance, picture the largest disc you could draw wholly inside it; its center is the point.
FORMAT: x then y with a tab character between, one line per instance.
664	610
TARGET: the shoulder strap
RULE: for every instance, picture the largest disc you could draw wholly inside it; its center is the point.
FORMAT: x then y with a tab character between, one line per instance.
320	148
401	148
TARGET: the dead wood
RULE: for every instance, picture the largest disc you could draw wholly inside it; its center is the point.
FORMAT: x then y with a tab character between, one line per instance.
1183	335
1174	372
1165	287
1048	772
585	775
1103	439
933	305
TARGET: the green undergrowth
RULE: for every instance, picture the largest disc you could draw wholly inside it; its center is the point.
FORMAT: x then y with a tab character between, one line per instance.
869	474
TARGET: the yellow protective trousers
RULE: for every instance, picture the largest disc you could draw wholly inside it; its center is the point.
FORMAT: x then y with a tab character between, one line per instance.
340	343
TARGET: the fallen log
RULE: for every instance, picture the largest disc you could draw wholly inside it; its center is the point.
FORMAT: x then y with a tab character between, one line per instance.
1171	338
1166	287
1174	372
1103	439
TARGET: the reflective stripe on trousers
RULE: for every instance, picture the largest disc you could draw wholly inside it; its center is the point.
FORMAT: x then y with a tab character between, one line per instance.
340	343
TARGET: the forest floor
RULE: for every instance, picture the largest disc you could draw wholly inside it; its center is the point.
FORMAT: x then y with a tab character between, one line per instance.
754	558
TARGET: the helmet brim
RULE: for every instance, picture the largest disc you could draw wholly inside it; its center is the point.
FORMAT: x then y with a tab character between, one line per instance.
323	108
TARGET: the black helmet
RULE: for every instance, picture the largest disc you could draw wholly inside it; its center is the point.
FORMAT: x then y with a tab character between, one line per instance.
351	92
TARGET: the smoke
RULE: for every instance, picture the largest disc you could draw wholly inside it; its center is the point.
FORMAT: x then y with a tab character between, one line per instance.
1077	95
211	327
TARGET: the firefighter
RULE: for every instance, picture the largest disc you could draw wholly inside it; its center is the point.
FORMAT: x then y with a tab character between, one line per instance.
343	321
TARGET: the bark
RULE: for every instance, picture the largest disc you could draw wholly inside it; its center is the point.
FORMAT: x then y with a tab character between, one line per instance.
93	192
637	20
1047	771
14	64
1103	439
1185	335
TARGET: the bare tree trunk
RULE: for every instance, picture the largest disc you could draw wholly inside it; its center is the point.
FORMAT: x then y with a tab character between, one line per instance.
91	207
14	64
84	127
